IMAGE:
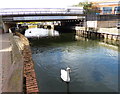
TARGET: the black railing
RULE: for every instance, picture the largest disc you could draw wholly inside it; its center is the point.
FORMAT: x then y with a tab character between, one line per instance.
102	17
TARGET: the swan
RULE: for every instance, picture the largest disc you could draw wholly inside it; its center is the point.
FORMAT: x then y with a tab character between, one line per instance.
65	74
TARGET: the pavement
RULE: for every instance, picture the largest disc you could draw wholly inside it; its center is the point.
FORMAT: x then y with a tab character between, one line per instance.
10	65
5	59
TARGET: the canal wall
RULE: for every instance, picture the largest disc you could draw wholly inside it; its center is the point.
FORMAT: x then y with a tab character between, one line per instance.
29	76
18	73
109	35
102	24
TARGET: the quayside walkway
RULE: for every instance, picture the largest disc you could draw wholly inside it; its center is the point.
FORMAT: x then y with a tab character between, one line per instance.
16	68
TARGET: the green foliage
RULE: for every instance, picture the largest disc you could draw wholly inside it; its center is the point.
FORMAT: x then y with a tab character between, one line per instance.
89	8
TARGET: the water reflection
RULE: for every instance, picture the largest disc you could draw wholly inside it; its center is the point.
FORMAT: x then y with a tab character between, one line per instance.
94	66
67	88
40	32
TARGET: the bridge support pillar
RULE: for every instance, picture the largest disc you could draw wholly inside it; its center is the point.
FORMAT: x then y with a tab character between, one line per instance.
52	26
1	25
6	26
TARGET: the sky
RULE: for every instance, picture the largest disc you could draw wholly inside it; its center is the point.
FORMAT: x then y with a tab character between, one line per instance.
39	3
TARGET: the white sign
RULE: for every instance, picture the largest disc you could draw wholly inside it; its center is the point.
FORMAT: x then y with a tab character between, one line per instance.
92	24
44	18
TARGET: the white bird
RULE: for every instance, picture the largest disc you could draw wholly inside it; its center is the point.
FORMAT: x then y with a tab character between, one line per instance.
65	74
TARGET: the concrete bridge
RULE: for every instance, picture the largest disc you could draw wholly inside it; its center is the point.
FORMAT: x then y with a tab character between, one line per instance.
9	16
41	11
40	14
40	18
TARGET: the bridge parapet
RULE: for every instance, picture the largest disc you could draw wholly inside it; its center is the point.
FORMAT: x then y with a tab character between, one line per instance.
38	11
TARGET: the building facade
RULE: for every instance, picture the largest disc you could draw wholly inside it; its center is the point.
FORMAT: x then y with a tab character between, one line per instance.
108	6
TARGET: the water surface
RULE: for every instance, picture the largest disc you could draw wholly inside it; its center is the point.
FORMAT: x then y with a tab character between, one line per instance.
94	66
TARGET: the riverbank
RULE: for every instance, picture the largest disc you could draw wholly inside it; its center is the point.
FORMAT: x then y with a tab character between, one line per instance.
30	82
108	35
16	64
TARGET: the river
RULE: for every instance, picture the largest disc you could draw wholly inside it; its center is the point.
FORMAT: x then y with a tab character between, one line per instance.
94	64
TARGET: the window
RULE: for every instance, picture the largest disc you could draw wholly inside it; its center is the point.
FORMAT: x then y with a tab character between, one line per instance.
107	10
117	10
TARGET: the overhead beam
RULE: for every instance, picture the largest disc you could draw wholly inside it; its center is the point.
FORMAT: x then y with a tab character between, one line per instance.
40	18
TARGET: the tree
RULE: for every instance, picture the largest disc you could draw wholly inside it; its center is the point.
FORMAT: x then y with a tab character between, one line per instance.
89	8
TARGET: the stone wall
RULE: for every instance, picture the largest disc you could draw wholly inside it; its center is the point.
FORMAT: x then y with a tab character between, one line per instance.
30	82
105	24
102	24
114	31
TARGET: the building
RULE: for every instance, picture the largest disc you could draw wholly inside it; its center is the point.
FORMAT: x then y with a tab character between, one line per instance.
108	6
